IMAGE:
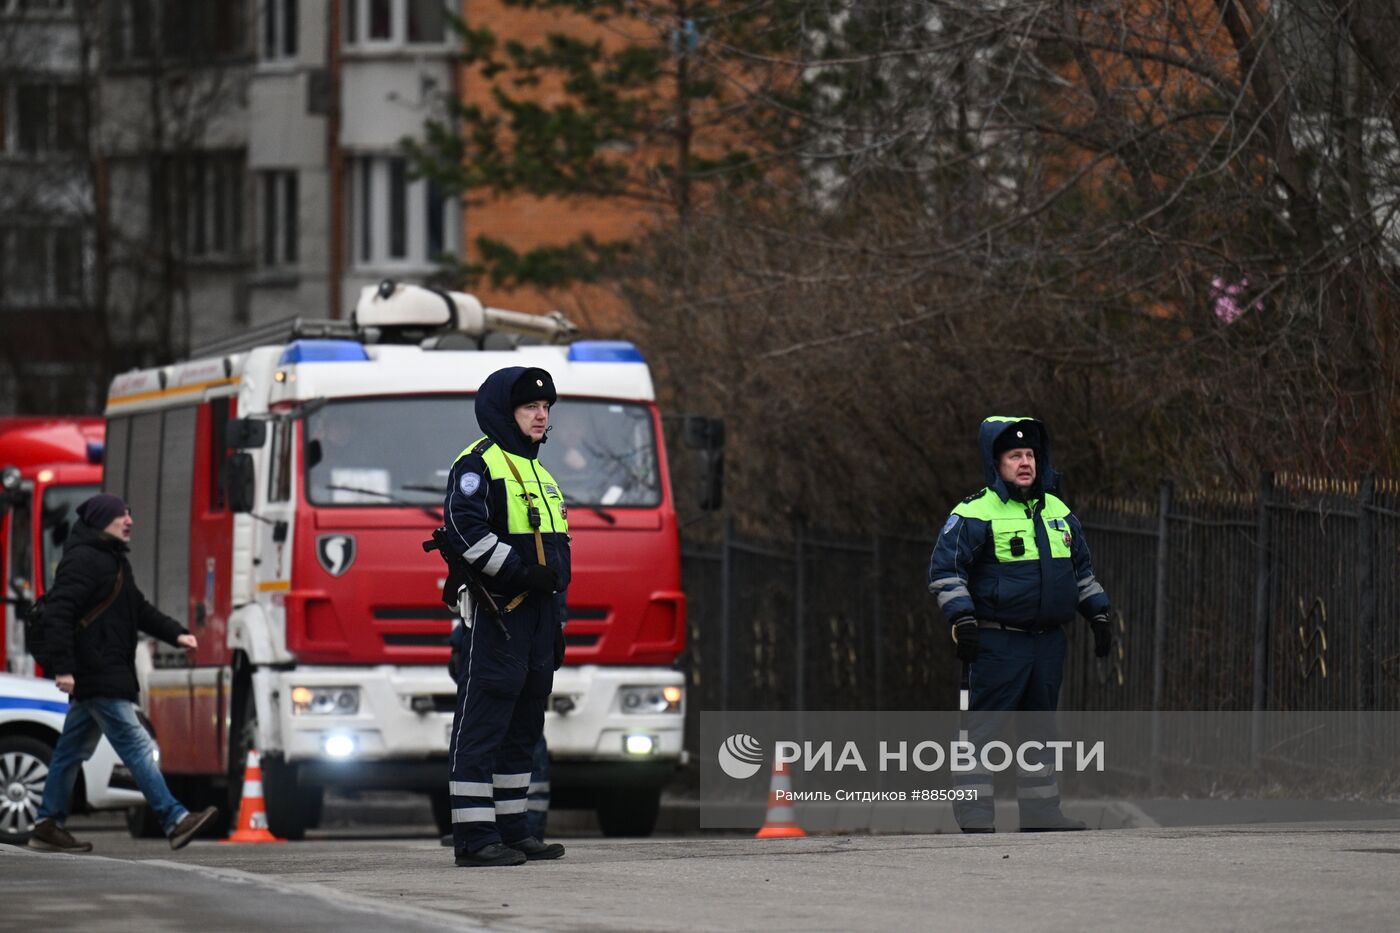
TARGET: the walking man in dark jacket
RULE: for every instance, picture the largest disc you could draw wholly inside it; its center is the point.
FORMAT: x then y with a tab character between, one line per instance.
91	618
1010	570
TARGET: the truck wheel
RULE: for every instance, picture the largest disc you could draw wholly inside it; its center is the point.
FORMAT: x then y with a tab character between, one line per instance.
629	812
291	808
442	810
141	823
24	764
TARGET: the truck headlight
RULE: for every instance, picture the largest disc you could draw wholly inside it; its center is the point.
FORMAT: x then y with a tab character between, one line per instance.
325	701
639	745
651	700
339	745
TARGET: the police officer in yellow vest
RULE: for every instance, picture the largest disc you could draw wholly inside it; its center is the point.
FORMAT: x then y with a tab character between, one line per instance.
505	515
1010	569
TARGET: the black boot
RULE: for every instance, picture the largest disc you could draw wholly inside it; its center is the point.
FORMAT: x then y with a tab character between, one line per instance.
537	851
1053	823
978	829
489	855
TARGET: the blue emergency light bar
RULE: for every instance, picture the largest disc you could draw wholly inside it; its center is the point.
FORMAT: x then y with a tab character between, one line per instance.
323	351
95	449
605	351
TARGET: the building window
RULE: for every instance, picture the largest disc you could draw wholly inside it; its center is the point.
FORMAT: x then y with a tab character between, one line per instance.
279	219
191	31
398	209
201	198
279	32
396	219
43	266
43	117
130	30
35	7
426	21
370	23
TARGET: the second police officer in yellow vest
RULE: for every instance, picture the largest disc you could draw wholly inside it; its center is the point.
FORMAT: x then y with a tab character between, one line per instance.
1010	569
505	515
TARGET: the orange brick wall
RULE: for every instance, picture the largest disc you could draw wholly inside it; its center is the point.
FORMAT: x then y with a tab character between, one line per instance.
526	222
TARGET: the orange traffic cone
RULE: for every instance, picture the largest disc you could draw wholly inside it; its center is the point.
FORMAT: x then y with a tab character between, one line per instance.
781	821
252	811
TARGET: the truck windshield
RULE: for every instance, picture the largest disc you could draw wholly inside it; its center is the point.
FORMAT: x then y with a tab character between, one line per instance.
396	451
60	512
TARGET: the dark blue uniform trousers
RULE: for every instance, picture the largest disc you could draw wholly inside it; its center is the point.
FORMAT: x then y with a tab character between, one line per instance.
501	695
1016	675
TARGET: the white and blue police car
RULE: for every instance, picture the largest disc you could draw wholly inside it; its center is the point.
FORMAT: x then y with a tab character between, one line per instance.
31	717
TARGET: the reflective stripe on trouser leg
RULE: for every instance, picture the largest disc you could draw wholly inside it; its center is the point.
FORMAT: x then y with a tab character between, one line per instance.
478	725
537	809
513	762
1037	787
981	812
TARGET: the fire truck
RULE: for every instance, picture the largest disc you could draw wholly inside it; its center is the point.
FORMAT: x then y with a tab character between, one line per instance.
285	486
48	465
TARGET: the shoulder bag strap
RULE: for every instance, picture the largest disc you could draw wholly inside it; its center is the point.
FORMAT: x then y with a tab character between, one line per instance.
103	606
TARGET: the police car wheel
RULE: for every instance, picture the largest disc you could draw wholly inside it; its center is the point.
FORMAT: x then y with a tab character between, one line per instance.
24	764
629	811
441	803
141	823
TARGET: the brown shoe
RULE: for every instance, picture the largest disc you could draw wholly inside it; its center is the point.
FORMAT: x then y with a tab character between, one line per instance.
48	836
190	826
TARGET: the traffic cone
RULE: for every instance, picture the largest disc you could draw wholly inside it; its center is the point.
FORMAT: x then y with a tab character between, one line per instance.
781	821
252	811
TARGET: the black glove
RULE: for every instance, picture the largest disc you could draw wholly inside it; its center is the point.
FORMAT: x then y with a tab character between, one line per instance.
559	647
966	635
1103	635
540	579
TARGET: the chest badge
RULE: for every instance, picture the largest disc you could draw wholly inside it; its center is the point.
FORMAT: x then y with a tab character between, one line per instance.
336	553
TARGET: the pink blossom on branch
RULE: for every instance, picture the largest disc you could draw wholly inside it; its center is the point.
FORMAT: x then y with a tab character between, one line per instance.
1225	299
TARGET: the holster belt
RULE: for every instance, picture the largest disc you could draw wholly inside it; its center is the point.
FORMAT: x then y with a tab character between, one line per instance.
984	623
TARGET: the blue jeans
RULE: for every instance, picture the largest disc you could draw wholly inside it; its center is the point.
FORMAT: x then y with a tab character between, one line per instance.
87	722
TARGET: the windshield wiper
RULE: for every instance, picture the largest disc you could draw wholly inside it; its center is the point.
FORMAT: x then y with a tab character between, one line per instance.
608	517
393	499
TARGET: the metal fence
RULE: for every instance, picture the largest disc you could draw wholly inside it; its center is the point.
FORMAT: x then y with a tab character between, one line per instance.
1279	598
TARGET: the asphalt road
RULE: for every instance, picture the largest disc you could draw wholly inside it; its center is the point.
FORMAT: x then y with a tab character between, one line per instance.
1294	877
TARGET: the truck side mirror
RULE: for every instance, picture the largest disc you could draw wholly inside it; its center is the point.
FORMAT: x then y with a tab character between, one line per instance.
712	486
245	433
703	433
706	435
239	489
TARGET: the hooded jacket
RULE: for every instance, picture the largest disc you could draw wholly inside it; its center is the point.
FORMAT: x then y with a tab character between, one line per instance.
102	656
1022	562
484	509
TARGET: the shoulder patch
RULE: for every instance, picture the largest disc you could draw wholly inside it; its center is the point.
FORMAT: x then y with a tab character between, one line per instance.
950	524
469	483
976	495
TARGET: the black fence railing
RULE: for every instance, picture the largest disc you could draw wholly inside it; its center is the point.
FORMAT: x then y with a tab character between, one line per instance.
1282	597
